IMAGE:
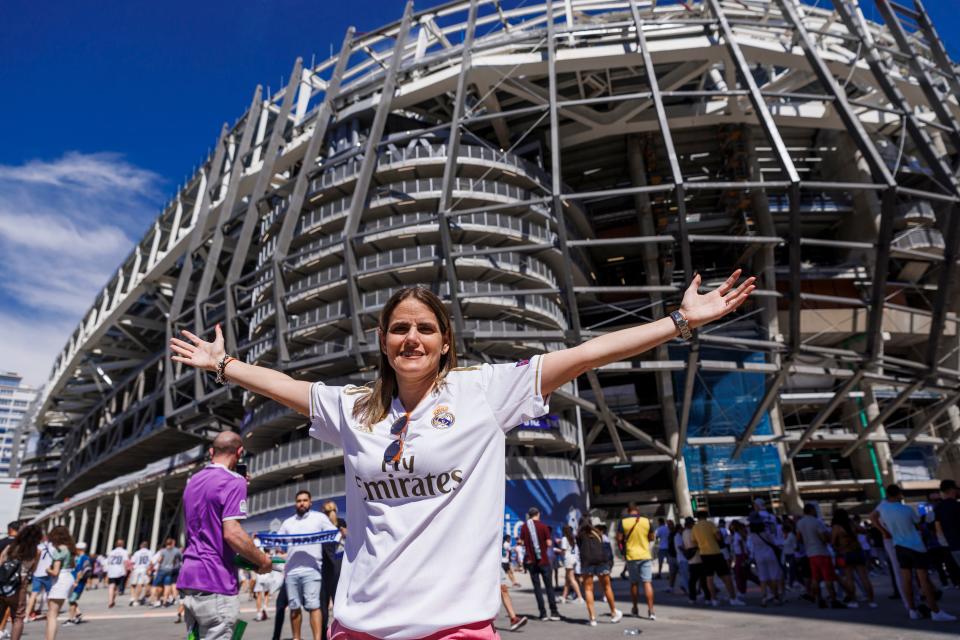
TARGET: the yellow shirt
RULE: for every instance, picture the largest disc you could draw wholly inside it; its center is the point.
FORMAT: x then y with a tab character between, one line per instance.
638	544
705	535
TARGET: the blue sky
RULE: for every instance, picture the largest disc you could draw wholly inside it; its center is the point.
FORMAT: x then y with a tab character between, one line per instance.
108	105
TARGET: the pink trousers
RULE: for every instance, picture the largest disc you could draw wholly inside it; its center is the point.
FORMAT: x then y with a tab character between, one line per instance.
473	631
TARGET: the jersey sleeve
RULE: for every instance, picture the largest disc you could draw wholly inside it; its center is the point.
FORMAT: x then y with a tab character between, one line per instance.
513	391
326	413
235	500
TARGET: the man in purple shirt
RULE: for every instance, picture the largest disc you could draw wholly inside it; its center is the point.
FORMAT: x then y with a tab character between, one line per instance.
214	502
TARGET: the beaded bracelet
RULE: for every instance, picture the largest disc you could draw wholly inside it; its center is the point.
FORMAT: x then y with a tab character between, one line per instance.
221	365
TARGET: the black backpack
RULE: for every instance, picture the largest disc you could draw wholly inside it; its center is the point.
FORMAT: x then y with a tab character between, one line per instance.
9	578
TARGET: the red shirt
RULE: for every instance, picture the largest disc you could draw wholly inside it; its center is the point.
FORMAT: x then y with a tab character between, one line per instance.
543	535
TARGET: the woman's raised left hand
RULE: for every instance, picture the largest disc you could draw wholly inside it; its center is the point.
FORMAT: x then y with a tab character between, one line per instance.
700	309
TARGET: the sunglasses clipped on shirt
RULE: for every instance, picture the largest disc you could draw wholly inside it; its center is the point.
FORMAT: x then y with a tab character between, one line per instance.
398	430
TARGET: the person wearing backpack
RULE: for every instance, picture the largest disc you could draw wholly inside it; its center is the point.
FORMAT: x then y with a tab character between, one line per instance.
593	562
17	562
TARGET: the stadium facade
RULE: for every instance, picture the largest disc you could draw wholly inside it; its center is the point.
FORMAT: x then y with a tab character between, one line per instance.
556	171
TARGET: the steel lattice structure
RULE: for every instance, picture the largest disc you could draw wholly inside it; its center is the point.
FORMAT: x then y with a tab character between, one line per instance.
557	170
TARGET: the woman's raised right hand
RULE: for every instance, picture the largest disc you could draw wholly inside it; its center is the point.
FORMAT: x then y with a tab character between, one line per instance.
197	352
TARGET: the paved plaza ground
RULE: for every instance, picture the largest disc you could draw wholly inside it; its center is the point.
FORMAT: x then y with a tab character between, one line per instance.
675	620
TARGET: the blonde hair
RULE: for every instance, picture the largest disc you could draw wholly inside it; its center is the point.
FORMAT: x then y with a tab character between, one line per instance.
374	406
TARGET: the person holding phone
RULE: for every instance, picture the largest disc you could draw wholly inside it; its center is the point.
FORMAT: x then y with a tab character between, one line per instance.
214	502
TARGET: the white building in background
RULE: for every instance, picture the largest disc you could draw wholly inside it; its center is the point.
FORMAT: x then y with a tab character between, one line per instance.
15	400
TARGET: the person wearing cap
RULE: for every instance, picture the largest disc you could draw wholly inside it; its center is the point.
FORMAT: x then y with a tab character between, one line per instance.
81	573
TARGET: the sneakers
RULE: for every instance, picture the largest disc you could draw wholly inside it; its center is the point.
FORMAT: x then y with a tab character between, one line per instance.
617	616
131	603
872	604
635	611
651	616
157	604
179	619
668	590
553	616
518	622
942	616
915	615
593	622
714	603
737	602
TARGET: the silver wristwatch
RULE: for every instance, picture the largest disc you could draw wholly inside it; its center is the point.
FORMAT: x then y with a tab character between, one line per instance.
682	325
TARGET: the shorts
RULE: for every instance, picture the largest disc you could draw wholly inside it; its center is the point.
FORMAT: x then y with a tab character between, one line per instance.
504	580
303	589
714	565
803	567
851	559
640	571
77	590
139	577
267	583
596	569
505	566
119	582
44	582
821	569
768	569
165	578
912	559
570	562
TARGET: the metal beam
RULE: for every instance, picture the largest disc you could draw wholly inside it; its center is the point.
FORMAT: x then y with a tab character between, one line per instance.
882	417
450	177
364	177
677	178
825	412
285	235
935	101
769	396
252	215
938	411
186	270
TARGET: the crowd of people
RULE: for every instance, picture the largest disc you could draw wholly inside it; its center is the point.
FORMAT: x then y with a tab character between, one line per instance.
46	570
829	563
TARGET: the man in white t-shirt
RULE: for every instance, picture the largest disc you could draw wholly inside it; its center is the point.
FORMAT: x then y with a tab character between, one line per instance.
302	572
663	544
116	571
139	576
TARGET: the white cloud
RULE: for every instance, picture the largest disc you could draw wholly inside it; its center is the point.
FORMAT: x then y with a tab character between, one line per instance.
65	227
94	172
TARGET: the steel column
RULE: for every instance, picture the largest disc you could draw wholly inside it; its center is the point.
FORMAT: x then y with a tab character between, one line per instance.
133	528
114	517
362	187
97	517
289	225
825	412
252	215
186	270
928	420
155	524
449	178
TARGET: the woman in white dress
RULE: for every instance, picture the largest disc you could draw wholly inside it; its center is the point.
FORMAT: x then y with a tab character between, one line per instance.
424	450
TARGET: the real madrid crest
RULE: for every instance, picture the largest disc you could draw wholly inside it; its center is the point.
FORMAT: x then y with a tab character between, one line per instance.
443	418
